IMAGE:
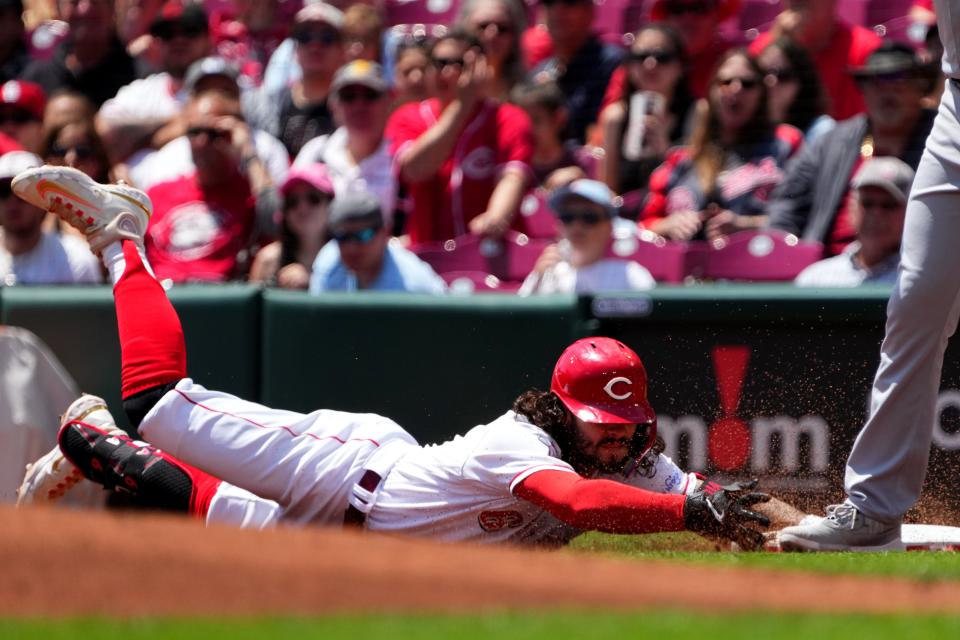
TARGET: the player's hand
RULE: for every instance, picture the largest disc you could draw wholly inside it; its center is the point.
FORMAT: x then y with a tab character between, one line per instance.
725	512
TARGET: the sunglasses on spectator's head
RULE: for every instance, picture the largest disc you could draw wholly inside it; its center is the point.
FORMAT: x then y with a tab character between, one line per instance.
745	83
312	198
780	74
5	189
16	116
681	8
322	36
443	63
169	32
212	133
354	93
659	55
502	27
364	236
588	218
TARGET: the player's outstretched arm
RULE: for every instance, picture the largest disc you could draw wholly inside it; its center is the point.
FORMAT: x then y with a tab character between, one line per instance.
612	507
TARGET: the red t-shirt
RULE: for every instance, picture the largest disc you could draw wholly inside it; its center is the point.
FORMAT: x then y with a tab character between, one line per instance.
842	232
196	234
495	137
8	144
848	49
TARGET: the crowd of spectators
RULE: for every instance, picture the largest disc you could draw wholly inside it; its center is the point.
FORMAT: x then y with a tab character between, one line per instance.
316	145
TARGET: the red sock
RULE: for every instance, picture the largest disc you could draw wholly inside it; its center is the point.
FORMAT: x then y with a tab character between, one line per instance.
204	488
152	349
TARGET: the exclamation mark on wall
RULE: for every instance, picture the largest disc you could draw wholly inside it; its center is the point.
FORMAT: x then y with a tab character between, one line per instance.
729	435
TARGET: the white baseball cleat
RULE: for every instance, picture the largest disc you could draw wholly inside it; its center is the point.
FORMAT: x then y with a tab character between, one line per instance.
844	529
105	213
52	476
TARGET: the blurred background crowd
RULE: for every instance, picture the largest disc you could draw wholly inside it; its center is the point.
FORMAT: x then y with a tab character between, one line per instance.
534	146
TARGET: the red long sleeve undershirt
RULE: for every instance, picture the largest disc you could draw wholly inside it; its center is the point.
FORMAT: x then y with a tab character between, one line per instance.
602	505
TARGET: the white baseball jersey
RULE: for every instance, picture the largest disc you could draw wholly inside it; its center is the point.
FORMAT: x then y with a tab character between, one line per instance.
948	19
462	490
302	468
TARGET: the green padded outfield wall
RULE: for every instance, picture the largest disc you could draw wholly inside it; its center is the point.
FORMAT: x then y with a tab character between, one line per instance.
438	366
221	325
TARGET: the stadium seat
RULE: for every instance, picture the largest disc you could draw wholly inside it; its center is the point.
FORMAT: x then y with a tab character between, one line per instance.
758	14
509	259
853	11
430	12
536	218
757	256
468	282
666	261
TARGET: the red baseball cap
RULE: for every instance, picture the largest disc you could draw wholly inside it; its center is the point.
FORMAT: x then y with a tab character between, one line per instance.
24	95
601	380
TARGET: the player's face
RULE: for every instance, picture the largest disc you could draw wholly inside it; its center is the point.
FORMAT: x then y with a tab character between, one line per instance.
604	446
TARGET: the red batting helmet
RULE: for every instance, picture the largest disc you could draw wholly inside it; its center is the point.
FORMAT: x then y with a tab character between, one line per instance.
602	380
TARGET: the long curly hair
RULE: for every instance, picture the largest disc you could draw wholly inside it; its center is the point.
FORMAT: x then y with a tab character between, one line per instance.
544	409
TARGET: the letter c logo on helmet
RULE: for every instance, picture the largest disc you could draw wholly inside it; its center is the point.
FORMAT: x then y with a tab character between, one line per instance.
618	396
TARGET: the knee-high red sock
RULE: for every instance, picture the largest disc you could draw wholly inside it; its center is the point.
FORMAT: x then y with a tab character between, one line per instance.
152	349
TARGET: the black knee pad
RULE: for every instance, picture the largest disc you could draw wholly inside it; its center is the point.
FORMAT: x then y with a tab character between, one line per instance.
138	405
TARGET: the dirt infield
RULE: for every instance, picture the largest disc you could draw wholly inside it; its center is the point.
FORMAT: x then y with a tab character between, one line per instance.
59	563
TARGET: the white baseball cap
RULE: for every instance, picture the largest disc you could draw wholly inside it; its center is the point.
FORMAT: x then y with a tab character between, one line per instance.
893	175
14	163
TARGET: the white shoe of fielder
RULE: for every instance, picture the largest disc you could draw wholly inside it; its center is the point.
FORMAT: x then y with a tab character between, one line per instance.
52	476
105	213
844	529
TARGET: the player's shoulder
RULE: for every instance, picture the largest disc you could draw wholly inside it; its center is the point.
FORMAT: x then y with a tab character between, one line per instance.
512	431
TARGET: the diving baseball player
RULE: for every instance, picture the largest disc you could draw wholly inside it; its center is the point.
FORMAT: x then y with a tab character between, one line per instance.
888	462
537	474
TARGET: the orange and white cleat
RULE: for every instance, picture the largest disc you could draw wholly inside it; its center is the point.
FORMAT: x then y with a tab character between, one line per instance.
53	476
105	213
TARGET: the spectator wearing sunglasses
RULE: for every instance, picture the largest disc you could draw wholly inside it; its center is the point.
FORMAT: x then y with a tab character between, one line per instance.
812	200
796	94
497	24
579	262
361	257
300	111
834	46
581	64
28	254
212	74
878	206
655	109
204	222
696	22
362	30
92	60
356	155
76	144
720	183
463	157
144	113
286	262
21	113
